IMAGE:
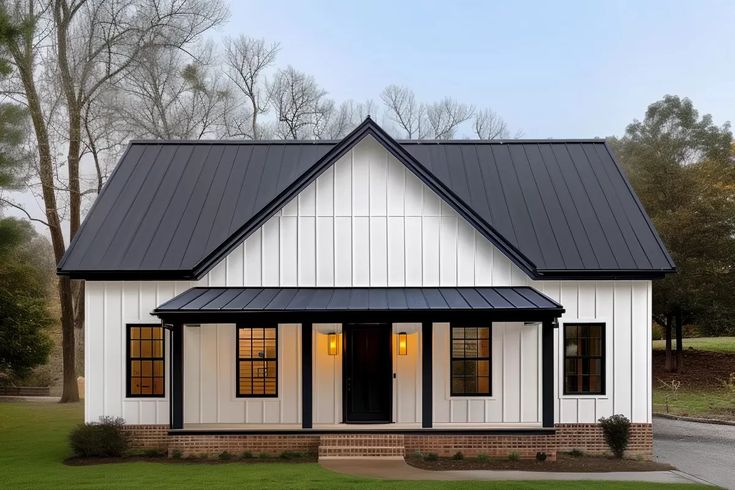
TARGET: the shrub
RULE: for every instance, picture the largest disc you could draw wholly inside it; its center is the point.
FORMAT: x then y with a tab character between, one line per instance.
224	456
417	455
617	433
540	456
104	439
576	453
431	457
291	455
458	456
264	455
176	454
483	457
514	456
246	455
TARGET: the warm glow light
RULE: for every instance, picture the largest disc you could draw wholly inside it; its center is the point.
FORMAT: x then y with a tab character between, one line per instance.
332	344
402	344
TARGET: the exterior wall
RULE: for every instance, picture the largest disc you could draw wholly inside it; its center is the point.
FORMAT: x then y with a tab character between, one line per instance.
368	221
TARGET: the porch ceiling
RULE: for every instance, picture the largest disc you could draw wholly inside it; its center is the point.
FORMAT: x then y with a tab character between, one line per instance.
224	304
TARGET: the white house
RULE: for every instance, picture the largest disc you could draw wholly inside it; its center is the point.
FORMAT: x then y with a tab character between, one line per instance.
368	296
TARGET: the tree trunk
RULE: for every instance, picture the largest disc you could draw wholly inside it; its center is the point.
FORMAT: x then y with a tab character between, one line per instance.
679	344
667	332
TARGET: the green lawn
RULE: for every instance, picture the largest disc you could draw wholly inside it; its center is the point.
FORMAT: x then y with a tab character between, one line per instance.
33	444
696	403
710	344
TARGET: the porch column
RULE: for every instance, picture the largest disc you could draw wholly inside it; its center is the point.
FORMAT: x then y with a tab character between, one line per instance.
306	375
547	374
176	372
427	382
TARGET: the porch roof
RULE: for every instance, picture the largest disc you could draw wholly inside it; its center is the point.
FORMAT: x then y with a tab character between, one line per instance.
212	304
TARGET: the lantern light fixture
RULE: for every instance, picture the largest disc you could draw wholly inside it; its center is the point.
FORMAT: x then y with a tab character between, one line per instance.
402	344
332	344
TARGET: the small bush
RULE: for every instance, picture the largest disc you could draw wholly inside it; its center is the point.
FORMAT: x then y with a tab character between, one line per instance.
176	454
417	455
291	455
617	433
431	457
541	456
246	455
576	453
264	455
224	456
514	456
483	457
458	456
105	439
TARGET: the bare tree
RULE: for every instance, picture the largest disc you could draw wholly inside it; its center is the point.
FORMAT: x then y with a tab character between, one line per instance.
445	117
488	125
246	60
298	103
85	45
403	109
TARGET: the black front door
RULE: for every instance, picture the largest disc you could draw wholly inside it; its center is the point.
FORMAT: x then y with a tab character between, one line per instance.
367	373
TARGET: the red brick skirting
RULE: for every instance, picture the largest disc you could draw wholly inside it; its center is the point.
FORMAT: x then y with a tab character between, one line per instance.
587	438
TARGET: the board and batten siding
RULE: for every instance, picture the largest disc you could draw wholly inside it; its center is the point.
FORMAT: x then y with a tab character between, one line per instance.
368	221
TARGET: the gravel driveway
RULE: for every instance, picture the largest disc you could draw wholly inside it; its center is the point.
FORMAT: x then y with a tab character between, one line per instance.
706	451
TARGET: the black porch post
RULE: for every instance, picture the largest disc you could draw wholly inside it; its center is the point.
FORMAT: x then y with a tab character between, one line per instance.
427	396
306	375
547	373
176	370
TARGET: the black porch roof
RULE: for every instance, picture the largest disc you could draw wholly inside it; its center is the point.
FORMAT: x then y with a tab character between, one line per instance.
204	303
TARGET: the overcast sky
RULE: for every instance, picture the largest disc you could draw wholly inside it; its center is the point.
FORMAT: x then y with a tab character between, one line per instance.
552	69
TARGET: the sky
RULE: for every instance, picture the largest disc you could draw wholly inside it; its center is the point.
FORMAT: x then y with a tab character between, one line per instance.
563	69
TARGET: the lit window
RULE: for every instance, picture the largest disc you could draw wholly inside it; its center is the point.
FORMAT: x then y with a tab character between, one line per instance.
145	361
584	359
470	358
257	361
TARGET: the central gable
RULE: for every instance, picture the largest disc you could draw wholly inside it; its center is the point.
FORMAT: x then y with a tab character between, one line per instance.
366	221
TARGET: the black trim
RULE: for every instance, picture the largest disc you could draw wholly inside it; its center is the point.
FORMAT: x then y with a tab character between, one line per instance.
602	357
427	375
176	334
128	360
238	328
307	352
547	374
511	432
489	359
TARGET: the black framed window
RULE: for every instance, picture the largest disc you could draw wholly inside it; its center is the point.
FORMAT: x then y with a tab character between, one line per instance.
584	359
470	361
145	361
257	361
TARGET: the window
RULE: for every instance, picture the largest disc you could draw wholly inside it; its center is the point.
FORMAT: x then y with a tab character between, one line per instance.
470	360
257	361
145	361
584	360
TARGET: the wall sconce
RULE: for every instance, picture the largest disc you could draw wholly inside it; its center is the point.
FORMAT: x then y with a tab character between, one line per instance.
332	344
402	344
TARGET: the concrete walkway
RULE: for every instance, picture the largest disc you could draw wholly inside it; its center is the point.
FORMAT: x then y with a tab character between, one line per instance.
399	470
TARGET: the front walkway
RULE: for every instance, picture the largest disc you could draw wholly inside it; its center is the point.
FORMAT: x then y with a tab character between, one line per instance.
400	470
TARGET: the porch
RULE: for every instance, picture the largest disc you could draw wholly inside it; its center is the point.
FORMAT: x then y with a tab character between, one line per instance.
348	349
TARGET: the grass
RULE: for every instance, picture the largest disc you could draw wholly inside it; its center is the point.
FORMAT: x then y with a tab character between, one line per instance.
709	344
33	446
696	403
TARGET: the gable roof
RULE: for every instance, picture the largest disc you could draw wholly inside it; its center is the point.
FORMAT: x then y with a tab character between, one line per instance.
557	209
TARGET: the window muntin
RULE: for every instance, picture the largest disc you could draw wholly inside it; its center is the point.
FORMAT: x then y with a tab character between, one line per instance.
257	361
584	359
470	361
145	361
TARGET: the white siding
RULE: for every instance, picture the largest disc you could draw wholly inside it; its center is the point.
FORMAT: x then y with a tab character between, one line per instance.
367	221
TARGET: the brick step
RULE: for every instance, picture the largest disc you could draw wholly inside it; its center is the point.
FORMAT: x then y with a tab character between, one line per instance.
361	446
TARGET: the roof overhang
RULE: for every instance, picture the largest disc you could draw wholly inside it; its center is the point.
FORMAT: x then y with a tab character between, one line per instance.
327	305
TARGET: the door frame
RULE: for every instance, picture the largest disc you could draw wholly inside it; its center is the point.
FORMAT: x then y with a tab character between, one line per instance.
347	333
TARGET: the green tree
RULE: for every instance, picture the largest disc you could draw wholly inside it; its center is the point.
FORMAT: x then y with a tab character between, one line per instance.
25	270
681	166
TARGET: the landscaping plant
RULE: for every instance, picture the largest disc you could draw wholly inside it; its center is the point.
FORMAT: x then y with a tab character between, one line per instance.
104	439
616	430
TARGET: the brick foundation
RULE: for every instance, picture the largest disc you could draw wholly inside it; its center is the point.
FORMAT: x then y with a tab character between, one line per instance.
584	437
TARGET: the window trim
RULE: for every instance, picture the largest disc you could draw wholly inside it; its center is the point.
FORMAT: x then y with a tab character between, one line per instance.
603	359
128	359
489	358
239	327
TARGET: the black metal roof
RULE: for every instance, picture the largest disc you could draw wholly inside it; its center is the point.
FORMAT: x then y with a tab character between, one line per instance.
221	301
558	209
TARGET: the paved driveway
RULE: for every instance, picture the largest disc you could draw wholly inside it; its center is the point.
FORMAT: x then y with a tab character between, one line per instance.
706	451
